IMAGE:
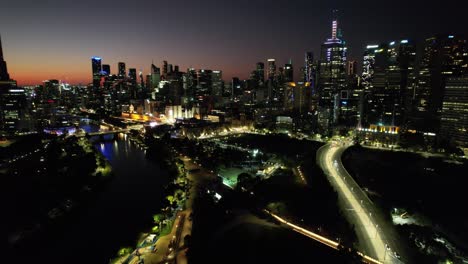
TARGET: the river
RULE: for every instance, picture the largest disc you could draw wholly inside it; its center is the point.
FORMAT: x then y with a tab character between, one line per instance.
114	216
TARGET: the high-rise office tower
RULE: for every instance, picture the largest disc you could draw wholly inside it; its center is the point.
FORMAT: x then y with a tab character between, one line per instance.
236	87
176	68
260	72
297	97
217	83
388	78
308	67
189	86
288	72
332	76
96	69
271	69
204	84
165	69
50	90
271	80
4	76
106	69
122	70
12	104
454	118
351	68
368	64
132	74
155	77
12	99
311	73
443	56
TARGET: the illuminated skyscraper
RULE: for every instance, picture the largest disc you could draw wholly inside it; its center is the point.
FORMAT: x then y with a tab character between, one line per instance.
106	69
368	64
122	71
96	68
388	79
443	56
217	83
271	69
288	72
204	83
260	73
155	77
236	87
271	80
297	97
332	77
351	68
308	67
12	99
454	118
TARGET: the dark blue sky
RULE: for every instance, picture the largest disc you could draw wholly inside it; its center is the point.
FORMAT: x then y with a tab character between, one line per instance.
55	39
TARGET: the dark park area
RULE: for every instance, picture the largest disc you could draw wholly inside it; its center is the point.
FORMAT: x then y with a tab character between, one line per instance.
430	190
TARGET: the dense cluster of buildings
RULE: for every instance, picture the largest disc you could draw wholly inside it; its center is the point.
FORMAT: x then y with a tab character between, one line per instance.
401	87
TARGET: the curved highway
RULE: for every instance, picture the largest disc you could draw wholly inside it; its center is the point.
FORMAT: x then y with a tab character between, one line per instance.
376	237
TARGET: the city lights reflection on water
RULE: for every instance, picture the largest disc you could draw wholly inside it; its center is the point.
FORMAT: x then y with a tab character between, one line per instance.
128	200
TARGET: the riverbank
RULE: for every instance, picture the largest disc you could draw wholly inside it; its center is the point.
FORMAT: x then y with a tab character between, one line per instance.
172	223
66	171
114	213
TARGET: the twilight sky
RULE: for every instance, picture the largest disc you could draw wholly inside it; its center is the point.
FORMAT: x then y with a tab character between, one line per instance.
55	39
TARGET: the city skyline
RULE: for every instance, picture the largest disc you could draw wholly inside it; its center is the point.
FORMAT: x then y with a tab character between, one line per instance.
174	132
55	33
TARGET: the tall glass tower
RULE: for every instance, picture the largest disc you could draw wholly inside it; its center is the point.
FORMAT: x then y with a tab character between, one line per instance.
96	69
332	77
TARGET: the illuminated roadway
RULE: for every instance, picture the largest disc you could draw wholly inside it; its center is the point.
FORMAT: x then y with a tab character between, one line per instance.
371	230
319	238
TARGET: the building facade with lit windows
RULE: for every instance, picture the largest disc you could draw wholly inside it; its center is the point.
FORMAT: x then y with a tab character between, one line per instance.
297	97
388	80
332	75
454	116
96	70
12	99
288	72
441	57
